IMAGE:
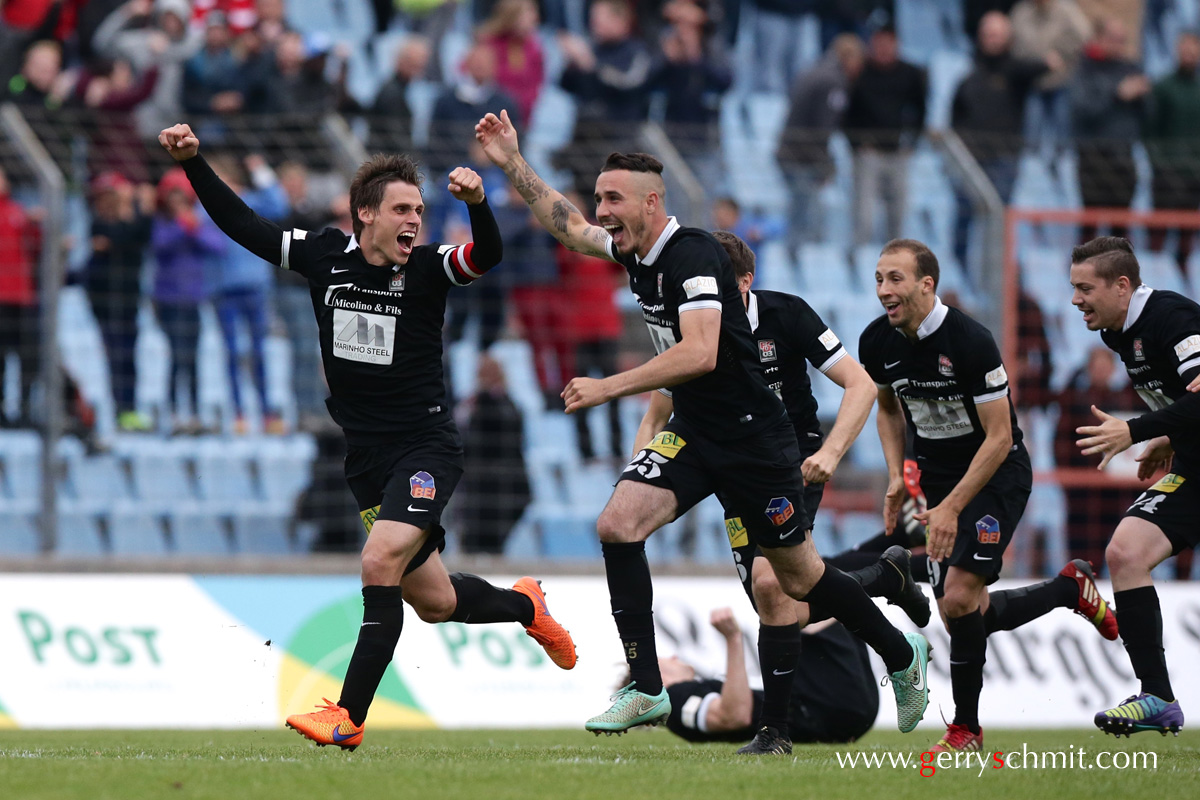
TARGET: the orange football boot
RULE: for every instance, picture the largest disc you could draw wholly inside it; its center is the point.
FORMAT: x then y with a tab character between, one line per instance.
331	725
554	638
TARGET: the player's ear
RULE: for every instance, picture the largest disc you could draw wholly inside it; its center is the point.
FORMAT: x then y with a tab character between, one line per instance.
366	214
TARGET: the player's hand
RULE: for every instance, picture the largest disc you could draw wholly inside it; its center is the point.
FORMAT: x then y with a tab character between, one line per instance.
584	393
819	467
892	503
180	142
1194	386
722	619
942	530
466	185
1110	437
498	138
1158	455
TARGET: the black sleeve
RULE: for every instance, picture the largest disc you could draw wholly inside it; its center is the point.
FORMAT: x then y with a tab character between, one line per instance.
981	373
238	221
1178	329
489	247
867	356
815	339
1176	418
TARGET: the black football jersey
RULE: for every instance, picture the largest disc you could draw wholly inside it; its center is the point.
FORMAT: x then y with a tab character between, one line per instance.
1160	347
380	327
952	367
790	335
689	704
688	269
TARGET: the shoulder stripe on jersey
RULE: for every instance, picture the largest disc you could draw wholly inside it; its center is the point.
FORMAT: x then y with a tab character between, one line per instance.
451	273
990	396
698	304
285	250
702	711
666	393
1194	361
837	356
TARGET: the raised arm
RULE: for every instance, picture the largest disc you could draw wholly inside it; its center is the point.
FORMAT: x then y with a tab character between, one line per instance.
558	215
733	710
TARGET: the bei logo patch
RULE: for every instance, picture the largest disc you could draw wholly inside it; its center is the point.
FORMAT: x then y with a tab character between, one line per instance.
780	510
422	485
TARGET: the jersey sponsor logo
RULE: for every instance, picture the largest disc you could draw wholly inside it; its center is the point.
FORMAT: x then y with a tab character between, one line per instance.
987	530
996	378
662	336
830	340
369	338
737	533
780	510
701	284
1188	347
1139	353
397	282
1168	483
667	444
422	485
766	350
945	366
368	518
939	419
299	234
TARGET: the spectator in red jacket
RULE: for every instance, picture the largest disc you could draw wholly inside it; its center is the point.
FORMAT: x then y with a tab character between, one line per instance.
511	31
19	240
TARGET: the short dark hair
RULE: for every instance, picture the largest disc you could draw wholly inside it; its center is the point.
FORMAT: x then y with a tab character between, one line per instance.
740	254
373	177
633	162
927	263
1111	257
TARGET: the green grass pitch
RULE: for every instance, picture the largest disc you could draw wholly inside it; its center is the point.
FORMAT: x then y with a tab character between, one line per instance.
531	765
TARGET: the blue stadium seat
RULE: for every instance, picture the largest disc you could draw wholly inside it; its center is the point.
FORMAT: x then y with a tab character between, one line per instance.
342	20
78	535
97	482
566	533
262	534
285	467
524	542
947	68
198	532
553	119
133	531
18	535
160	470
1161	271
20	464
824	270
225	474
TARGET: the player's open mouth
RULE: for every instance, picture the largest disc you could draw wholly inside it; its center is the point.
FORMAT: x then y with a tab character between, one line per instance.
405	240
891	308
1089	315
615	231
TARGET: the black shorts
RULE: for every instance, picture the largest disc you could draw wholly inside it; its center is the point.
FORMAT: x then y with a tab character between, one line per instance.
757	479
1173	505
986	525
408	480
745	551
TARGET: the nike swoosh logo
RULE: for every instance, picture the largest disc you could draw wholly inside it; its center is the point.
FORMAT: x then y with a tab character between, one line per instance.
978	557
893	364
919	684
365	624
785	672
340	737
333	271
783	536
417	510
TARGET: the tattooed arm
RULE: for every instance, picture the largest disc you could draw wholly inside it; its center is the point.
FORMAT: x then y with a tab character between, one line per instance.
558	215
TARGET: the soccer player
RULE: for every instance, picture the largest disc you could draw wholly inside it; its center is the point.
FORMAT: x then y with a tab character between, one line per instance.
939	372
1157	335
730	434
379	302
789	335
833	695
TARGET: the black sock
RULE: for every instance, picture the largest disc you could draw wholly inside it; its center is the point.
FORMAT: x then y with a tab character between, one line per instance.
479	602
778	655
841	596
919	567
383	618
881	579
1139	618
968	652
1012	608
632	596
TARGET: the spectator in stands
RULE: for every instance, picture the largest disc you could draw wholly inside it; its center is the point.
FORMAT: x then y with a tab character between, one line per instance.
184	241
1172	143
35	22
474	93
776	32
1042	27
431	20
294	301
41	83
608	77
988	113
121	225
885	115
392	127
1092	513
217	80
591	324
112	92
19	246
754	228
1129	13
1108	109
692	71
271	22
242	286
511	32
153	34
495	484
1035	362
818	105
296	84
859	17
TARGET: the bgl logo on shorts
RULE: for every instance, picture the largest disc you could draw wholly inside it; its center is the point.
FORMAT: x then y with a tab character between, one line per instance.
422	485
780	510
988	530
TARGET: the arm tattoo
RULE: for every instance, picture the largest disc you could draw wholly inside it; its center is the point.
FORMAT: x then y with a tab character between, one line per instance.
528	184
560	214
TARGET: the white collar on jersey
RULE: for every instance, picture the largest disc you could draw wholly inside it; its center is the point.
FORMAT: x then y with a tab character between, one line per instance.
1137	304
655	251
752	311
935	319
353	244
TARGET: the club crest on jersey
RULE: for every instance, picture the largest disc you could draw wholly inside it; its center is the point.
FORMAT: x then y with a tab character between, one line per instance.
987	530
780	510
422	485
766	350
397	284
945	367
1139	353
660	286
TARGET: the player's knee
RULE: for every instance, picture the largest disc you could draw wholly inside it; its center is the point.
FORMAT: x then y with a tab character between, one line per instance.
612	528
435	609
378	567
1123	558
958	601
769	596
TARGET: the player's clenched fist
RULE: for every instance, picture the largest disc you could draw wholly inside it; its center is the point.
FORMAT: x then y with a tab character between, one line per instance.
466	185
180	142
